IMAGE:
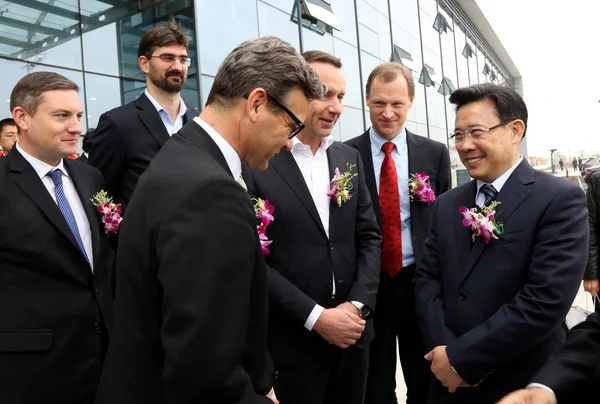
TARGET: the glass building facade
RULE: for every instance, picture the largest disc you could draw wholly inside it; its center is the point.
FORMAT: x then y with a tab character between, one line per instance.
95	42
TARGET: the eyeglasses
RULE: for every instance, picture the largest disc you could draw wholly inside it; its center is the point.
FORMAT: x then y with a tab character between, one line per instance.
459	136
298	122
168	58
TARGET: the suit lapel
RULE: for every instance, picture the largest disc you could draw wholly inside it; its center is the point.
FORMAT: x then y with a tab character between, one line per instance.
415	159
190	114
286	166
151	119
511	196
30	183
335	159
85	193
462	233
364	148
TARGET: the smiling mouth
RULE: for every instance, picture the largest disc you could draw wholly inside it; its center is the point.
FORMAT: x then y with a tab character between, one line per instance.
474	160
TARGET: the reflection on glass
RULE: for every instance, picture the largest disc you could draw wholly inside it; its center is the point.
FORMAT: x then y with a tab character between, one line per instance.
103	94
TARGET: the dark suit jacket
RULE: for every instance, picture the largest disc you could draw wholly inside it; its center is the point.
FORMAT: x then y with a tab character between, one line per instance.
573	372
192	300
303	258
51	304
423	155
125	142
500	308
82	159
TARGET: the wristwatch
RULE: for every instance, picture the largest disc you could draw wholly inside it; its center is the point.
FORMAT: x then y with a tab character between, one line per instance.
363	311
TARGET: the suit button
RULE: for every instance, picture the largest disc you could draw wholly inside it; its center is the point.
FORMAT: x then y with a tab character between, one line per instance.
462	296
95	290
331	246
96	326
275	375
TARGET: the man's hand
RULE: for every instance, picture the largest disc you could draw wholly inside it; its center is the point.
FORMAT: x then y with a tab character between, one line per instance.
441	368
339	327
535	395
350	308
271	395
591	286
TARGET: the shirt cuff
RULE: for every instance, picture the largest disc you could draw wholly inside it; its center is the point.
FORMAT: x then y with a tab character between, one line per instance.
541	386
313	317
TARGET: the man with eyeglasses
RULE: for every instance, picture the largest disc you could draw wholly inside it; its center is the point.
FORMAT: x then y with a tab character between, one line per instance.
324	257
492	293
8	135
192	300
128	137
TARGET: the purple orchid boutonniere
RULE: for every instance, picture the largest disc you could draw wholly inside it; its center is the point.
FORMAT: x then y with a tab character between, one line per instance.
111	212
420	188
482	221
341	185
264	213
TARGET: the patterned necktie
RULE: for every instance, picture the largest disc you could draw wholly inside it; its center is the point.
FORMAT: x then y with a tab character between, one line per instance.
490	193
240	180
65	209
389	202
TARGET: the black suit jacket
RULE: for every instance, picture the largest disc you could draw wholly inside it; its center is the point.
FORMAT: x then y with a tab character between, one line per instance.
192	300
423	155
51	304
303	258
573	372
500	308
82	159
125	142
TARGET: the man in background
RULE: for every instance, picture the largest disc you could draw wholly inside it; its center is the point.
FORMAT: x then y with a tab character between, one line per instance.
8	135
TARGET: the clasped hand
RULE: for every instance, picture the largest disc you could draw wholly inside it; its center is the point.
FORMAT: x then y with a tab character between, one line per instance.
442	369
340	326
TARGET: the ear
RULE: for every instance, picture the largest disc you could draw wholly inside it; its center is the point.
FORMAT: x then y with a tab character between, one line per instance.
20	117
144	64
256	103
410	103
518	130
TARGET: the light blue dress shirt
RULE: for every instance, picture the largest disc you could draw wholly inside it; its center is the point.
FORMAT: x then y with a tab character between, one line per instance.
171	127
400	156
498	183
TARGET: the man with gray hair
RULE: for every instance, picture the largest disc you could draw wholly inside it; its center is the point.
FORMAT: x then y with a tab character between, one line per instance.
191	303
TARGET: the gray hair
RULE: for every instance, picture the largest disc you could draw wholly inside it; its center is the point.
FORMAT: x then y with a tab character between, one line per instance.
269	63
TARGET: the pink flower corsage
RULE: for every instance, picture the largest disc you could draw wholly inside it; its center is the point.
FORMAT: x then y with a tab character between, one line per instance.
341	185
482	221
264	212
111	212
420	188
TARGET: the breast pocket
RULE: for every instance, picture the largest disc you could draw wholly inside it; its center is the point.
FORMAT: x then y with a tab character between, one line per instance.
25	340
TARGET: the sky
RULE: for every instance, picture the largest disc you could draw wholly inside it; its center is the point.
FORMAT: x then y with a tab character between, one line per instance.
555	44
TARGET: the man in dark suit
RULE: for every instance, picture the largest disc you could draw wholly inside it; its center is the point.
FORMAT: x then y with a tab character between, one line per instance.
128	137
55	297
8	135
324	259
572	375
390	94
492	306
191	305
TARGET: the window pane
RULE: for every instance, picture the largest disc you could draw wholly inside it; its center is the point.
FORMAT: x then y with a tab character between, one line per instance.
347	19
349	56
351	123
275	22
103	94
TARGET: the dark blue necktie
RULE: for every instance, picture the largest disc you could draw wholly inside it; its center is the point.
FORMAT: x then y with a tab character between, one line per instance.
65	208
490	193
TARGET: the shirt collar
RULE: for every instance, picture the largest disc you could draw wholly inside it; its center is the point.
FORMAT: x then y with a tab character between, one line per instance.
231	157
182	106
377	141
41	168
326	142
500	181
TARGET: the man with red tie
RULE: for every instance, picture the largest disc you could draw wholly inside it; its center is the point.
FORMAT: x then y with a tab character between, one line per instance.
391	155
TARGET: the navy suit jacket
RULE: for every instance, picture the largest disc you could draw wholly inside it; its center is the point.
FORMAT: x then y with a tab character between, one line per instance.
303	258
500	307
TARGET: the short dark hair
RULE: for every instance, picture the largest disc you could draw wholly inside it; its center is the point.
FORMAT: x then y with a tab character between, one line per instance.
85	143
317	56
7	122
28	92
168	33
509	103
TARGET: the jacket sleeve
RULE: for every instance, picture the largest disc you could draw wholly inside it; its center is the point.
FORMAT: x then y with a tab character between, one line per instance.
108	154
444	173
593	196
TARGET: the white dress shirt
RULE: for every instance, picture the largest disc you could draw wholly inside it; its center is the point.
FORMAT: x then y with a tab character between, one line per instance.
42	169
498	183
171	127
400	156
231	157
315	170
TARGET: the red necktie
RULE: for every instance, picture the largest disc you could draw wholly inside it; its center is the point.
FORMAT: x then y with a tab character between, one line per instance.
389	202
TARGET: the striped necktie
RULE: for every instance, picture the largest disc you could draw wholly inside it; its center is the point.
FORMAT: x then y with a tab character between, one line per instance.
490	193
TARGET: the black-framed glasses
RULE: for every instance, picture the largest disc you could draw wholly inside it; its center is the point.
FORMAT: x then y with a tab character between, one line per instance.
168	58
478	132
297	121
